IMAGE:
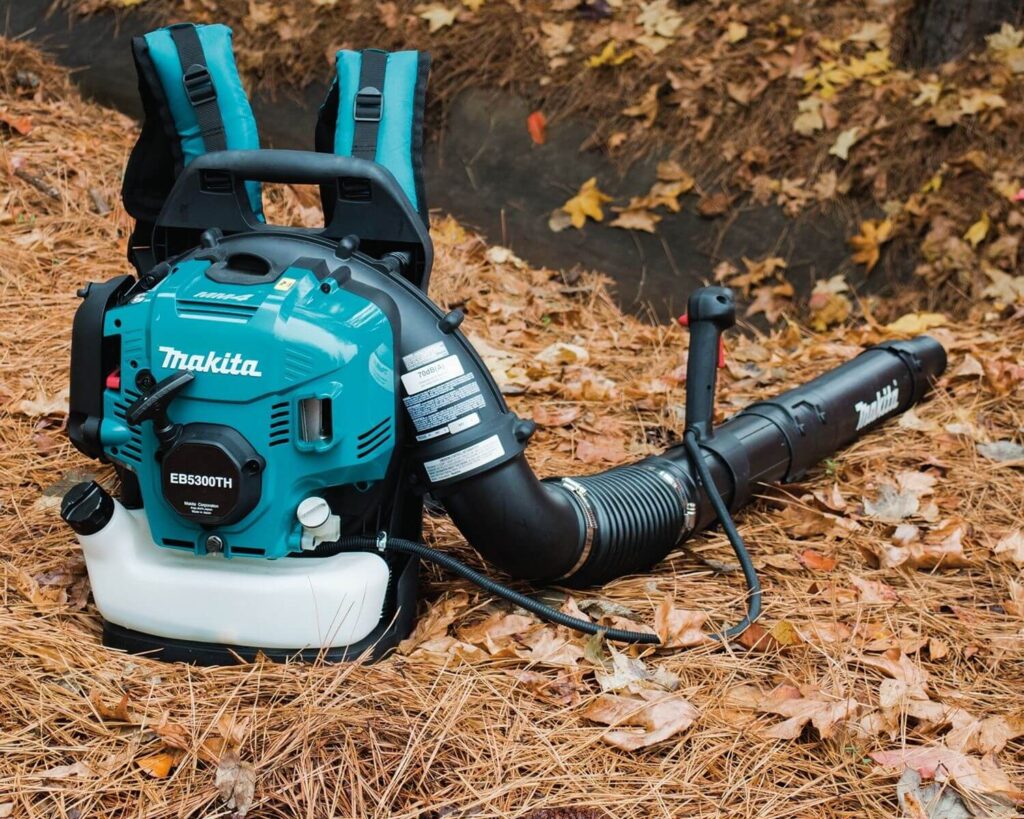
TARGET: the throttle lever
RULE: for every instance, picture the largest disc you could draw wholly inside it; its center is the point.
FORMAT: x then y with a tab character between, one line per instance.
709	312
152	406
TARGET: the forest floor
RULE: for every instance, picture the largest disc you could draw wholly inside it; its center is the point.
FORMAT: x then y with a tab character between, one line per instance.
884	678
812	107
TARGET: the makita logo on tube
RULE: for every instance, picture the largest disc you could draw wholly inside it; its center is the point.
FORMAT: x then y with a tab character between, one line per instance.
886	400
211	362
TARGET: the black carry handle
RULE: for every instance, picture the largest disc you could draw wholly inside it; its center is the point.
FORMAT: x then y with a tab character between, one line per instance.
368	202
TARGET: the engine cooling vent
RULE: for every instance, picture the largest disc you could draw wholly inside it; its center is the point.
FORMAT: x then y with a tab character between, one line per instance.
203	308
373	439
280	424
131	450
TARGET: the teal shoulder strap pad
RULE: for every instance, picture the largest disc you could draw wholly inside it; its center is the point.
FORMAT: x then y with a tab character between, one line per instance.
194	103
374	110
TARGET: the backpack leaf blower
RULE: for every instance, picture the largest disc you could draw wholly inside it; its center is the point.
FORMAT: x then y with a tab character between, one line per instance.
278	401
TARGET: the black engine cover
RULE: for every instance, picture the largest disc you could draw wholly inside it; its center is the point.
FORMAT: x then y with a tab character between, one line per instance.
211	475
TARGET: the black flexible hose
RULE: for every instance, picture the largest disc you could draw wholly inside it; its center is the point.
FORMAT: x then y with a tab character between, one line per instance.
458	567
738	546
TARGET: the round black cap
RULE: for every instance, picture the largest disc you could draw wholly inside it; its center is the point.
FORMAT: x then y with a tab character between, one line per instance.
87	508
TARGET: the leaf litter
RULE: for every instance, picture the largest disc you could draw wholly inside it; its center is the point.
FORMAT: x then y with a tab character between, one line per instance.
913	670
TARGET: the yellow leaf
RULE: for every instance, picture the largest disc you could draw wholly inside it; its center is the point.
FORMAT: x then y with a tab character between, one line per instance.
586	203
928	93
735	32
866	244
437	16
846	140
977	232
473	5
913	324
160	765
609	56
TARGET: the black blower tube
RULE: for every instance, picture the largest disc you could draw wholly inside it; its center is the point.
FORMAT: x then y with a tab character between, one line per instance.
590	530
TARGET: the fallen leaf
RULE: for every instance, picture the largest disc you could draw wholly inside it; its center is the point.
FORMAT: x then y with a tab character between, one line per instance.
537	125
66	772
809	119
846	140
495	632
609	56
714	204
817	561
587	202
931	801
679	628
436	15
659	717
636	220
891	504
20	125
119	712
867	244
561	354
969	367
43	405
1010	548
983	776
900	667
977	232
828	304
603	451
873	592
159	766
735	31
547	415
647	107
1002	451
435	622
822	712
563	689
236	783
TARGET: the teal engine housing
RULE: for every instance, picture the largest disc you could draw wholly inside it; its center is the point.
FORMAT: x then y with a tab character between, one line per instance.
293	396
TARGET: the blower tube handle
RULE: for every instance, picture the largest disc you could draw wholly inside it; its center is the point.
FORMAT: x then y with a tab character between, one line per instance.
710	311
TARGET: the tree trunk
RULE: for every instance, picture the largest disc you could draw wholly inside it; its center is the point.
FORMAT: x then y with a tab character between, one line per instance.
941	30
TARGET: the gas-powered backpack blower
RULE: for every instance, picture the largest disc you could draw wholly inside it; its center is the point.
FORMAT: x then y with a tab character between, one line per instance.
277	401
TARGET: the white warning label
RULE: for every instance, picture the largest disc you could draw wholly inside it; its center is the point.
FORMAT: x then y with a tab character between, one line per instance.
430	375
425	355
465	460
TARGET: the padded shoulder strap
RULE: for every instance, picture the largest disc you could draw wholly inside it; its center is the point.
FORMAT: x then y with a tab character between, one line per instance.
194	103
374	110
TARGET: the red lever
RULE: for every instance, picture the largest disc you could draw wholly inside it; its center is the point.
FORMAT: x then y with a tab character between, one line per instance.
114	380
684	321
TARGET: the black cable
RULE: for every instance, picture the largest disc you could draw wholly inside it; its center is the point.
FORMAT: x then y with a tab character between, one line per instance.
692	444
458	567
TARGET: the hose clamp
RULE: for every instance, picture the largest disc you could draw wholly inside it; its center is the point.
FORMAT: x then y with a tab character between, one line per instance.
579	492
382	541
686	504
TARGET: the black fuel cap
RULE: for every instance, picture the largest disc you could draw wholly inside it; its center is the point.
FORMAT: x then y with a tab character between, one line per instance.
87	508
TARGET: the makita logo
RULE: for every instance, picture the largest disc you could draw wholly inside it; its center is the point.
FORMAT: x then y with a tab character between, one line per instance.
192	479
211	362
209	294
886	400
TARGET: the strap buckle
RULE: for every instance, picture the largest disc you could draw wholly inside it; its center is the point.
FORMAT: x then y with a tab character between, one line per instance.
369	105
199	86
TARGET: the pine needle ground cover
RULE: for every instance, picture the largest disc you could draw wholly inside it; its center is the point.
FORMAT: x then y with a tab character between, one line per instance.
885	677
